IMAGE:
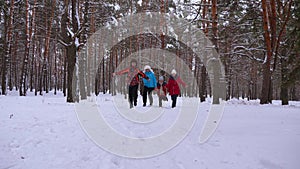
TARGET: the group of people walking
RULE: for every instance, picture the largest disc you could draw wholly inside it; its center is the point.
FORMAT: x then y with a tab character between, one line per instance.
151	84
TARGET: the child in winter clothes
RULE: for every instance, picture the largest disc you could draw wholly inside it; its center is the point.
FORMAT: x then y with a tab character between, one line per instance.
149	85
173	86
161	90
133	74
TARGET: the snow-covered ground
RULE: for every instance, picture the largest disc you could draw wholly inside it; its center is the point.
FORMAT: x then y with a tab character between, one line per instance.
43	132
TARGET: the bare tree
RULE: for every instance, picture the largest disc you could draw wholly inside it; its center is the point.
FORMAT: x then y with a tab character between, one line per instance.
28	32
7	44
272	42
70	32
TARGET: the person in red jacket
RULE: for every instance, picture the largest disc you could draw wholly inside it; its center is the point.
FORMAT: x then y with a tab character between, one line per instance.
173	86
161	90
133	74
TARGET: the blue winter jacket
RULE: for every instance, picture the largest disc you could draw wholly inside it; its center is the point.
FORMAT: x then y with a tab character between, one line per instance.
151	82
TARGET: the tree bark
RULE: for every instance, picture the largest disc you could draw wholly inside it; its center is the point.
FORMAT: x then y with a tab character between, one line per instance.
216	81
265	92
214	16
7	47
32	41
202	92
47	47
65	73
284	96
71	55
69	40
23	86
55	72
82	75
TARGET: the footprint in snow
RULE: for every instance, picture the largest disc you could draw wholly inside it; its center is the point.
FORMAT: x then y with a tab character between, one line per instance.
180	165
115	161
216	143
269	164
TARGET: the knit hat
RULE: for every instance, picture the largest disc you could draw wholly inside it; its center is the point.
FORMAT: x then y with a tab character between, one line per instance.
147	67
161	78
173	71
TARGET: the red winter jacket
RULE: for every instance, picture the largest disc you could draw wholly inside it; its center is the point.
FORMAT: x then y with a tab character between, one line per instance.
173	87
133	74
164	88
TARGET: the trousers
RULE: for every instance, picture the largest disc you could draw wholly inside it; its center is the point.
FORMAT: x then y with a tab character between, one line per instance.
174	100
147	91
133	94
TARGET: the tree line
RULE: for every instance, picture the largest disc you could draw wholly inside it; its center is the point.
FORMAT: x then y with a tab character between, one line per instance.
258	42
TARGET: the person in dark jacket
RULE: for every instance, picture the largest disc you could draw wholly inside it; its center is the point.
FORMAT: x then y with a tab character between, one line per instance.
149	85
133	74
173	86
161	90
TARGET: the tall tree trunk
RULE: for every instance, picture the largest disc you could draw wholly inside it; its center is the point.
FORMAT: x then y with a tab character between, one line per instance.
82	75
265	92
7	48
66	40
24	71
49	25
36	79
216	81
273	28
55	72
203	75
82	58
65	73
103	76
71	55
32	67
32	41
272	41
72	52
202	92
284	95
253	82
284	87
40	77
14	64
214	16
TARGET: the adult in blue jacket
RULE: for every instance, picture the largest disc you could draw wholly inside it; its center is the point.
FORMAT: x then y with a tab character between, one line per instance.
149	85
